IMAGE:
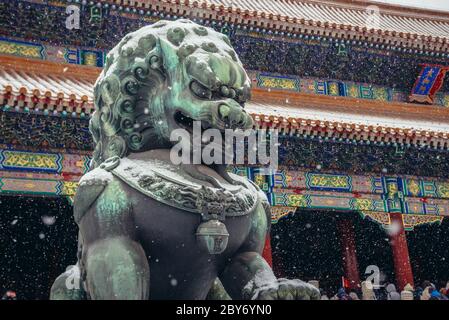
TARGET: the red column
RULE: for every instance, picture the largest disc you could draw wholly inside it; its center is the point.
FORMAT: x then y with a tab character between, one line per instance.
266	253
274	260
401	259
350	263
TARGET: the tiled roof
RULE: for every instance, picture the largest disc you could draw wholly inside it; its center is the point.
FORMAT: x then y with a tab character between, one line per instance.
45	85
36	85
325	118
345	19
307	120
71	90
342	13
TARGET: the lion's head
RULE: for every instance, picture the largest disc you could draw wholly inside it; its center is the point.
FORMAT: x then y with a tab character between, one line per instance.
163	77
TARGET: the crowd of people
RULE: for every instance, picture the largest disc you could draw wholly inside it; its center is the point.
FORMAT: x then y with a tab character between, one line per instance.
9	295
426	291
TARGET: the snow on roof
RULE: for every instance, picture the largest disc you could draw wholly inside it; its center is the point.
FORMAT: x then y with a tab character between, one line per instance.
299	112
51	85
27	87
353	13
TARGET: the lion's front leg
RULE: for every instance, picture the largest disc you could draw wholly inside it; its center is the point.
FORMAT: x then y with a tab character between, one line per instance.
67	285
248	276
117	269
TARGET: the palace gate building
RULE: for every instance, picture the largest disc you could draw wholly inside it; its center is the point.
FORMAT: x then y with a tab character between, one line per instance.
356	90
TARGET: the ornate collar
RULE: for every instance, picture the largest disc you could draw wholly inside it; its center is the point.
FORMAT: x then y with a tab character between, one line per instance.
164	182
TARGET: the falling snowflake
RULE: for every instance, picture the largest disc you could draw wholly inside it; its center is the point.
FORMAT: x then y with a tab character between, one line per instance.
48	220
394	228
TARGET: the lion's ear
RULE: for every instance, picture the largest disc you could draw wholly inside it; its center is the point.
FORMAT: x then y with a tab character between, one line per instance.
90	188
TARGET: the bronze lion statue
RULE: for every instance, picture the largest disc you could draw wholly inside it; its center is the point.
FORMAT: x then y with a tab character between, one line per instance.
150	229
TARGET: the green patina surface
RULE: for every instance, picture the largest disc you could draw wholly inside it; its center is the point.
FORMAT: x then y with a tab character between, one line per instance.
259	224
112	203
160	78
158	73
118	270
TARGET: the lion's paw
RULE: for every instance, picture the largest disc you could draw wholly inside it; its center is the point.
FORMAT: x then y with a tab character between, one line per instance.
286	289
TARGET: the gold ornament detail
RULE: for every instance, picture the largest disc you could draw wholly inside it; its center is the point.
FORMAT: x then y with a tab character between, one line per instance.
278	212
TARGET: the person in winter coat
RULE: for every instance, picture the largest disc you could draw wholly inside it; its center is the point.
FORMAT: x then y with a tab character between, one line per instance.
443	293
324	295
418	292
353	295
9	295
392	294
367	291
407	293
435	295
426	293
342	295
409	287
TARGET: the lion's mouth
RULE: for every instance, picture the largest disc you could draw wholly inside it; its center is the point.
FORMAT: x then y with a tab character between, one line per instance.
186	122
183	120
197	130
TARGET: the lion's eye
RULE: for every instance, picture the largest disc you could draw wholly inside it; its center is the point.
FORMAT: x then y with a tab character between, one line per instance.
200	91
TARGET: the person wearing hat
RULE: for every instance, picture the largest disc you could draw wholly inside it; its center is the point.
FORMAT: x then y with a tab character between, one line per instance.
392	294
367	291
407	293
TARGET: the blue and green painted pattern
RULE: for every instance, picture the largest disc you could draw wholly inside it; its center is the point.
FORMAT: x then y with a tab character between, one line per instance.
97	58
277	82
328	182
336	88
46	175
22	49
30	161
313	190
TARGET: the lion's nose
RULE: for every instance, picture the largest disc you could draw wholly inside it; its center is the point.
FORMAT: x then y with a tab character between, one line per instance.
234	117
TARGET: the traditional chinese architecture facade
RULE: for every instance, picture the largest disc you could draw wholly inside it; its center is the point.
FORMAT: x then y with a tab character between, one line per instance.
364	131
